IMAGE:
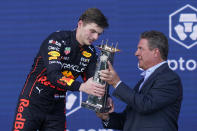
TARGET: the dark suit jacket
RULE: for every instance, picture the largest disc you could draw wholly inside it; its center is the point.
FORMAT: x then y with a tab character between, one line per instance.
155	107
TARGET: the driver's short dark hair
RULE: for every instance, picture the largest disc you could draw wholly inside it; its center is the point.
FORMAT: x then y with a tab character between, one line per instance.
94	15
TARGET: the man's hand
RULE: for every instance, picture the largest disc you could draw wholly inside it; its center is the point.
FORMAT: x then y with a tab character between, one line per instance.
105	116
92	88
110	75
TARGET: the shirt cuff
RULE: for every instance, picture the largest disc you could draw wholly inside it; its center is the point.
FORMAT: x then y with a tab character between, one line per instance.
118	84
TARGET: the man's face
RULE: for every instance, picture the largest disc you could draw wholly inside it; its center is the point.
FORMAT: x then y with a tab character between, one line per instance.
88	33
144	54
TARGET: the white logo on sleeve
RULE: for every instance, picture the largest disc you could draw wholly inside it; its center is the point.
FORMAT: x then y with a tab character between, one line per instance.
39	90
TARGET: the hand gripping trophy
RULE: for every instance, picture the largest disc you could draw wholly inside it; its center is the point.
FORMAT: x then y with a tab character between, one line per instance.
99	104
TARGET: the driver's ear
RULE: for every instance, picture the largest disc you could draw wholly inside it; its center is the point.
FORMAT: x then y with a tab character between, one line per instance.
80	23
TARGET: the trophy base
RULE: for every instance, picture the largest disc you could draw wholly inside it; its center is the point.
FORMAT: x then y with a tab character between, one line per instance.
97	108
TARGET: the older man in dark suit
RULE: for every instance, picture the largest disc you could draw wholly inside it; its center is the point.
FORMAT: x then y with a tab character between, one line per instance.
154	103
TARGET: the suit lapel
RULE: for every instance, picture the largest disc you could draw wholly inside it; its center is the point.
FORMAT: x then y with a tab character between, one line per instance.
153	76
136	88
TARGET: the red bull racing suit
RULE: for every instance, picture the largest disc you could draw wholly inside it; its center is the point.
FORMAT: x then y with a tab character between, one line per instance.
60	60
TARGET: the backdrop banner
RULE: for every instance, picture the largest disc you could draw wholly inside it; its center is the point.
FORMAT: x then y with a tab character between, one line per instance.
25	24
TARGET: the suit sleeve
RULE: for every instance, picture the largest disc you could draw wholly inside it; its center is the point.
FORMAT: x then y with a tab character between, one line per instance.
164	90
51	51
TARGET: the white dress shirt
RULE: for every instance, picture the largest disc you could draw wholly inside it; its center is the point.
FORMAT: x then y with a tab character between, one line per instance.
146	74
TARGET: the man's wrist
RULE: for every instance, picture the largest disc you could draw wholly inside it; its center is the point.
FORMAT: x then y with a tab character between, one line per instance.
81	87
106	120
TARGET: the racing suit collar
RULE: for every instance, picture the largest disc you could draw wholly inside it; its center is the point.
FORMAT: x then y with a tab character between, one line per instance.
73	38
76	43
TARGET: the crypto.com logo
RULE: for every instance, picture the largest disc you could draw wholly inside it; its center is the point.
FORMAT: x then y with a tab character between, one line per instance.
183	26
73	102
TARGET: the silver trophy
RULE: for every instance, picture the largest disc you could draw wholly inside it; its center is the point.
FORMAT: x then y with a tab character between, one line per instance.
99	104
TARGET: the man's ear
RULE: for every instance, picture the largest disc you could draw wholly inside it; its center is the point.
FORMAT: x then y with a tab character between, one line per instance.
156	52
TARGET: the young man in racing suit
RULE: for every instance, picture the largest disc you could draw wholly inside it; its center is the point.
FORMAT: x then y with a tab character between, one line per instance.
62	57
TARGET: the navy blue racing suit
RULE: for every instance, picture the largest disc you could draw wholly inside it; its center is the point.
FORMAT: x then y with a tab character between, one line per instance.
60	60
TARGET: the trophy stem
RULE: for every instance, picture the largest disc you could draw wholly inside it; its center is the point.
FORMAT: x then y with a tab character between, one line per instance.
99	104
